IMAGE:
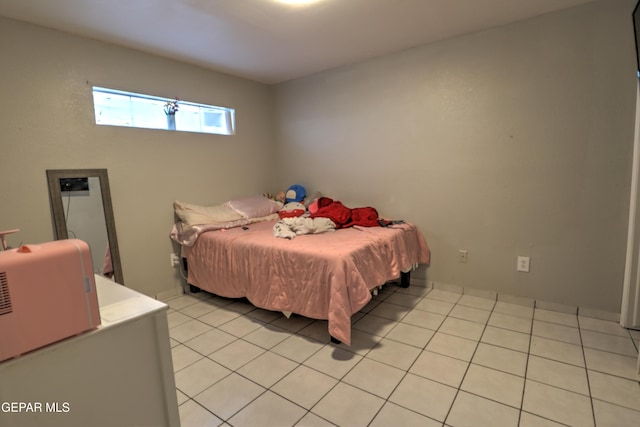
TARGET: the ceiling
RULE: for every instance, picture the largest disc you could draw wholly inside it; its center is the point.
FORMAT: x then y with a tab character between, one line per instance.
268	41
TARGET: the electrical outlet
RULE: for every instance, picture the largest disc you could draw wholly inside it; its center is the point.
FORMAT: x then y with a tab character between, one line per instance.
462	256
175	260
523	264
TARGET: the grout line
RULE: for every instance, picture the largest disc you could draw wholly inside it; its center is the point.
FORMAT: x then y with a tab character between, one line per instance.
586	372
470	361
526	366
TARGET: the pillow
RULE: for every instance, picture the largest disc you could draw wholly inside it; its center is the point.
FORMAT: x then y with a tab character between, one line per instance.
191	214
254	206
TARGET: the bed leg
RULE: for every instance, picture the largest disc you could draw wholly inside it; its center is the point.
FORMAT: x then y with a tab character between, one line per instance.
194	289
405	279
335	341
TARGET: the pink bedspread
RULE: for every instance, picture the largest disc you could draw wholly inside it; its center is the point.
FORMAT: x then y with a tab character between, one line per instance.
320	276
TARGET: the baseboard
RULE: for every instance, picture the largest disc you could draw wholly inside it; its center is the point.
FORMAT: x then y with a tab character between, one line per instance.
169	293
528	302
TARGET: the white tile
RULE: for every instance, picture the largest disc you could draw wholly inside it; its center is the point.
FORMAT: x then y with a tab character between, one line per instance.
241	326
267	336
188	330
199	309
183	356
374	325
423	319
312	420
390	311
333	361
556	317
240	306
611	363
557	404
444	295
485	302
294	323
513	323
210	341
361	342
470	313
229	395
495	385
409	334
394	353
338	406
175	318
558	374
502	359
608	342
194	415
394	415
182	301
268	409
462	328
505	338
405	300
218	317
236	354
304	386
267	369
265	316
219	301
603	326
531	420
608	414
424	396
557	350
196	377
511	309
298	348
181	397
416	289
616	390
435	306
374	377
556	332
317	330
447	287
460	348
471	410
438	367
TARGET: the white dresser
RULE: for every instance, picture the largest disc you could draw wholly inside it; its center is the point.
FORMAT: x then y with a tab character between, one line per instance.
120	374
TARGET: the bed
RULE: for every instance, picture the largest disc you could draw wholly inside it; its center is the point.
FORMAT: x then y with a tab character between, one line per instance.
328	276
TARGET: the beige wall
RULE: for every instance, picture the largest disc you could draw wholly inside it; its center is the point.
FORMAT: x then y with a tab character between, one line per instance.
46	122
513	141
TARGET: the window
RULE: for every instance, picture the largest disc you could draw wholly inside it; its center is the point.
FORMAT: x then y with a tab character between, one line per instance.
119	108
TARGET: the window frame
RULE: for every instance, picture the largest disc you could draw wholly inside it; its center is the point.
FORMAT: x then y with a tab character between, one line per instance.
201	118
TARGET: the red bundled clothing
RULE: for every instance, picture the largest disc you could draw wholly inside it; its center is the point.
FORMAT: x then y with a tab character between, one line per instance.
343	216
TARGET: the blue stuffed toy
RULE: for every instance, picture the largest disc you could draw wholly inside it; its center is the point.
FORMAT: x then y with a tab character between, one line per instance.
295	193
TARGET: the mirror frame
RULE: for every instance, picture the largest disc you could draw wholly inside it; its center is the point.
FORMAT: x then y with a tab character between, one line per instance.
57	210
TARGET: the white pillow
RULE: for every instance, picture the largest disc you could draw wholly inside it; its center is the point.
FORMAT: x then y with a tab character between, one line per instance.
254	206
191	214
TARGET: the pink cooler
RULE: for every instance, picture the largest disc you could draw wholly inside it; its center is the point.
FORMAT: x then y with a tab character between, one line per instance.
47	293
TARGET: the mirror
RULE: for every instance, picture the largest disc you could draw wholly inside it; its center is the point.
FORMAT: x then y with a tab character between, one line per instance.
81	209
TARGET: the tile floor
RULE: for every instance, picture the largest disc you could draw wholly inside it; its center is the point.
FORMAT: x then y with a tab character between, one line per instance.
419	357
